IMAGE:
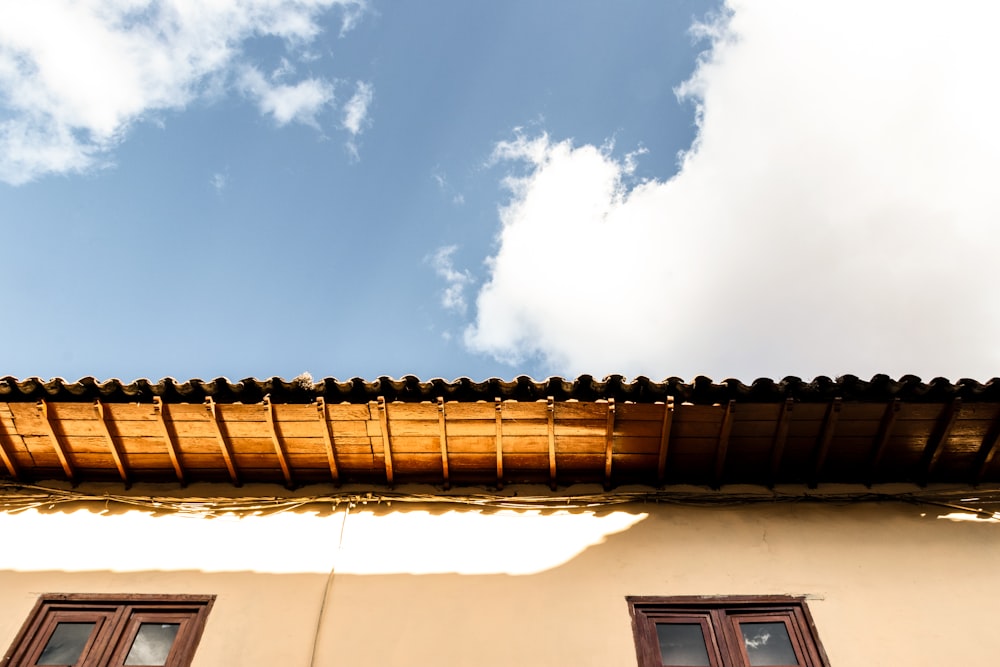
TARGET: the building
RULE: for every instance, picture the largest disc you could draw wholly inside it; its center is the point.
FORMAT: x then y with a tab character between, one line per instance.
565	522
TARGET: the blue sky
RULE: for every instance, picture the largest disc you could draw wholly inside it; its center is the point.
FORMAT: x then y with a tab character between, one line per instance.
491	189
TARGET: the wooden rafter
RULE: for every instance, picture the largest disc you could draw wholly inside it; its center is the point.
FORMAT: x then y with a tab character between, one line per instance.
331	452
116	453
552	441
935	444
442	423
220	436
722	446
609	441
383	418
882	437
7	455
160	409
780	436
668	418
279	446
991	442
64	461
825	438
499	419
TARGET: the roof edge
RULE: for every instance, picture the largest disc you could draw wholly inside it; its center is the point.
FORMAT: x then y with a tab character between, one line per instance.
409	388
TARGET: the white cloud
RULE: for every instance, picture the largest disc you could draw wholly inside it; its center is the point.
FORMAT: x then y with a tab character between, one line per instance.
457	198
837	213
453	295
219	181
356	113
74	75
286	103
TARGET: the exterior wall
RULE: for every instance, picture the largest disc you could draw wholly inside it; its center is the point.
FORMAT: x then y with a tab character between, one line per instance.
888	584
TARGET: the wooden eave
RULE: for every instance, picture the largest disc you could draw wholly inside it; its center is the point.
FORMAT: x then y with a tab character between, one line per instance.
384	435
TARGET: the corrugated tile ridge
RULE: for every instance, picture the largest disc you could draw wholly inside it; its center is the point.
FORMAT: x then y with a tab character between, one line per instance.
409	388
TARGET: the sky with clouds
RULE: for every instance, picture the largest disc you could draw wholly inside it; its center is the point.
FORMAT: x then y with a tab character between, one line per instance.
364	188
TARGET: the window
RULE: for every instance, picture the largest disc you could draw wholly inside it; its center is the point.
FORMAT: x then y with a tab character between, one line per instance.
773	631
111	631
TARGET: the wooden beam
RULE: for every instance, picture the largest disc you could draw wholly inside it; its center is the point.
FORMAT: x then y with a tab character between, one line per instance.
160	409
227	452
780	436
444	443
882	437
991	442
383	418
331	452
668	418
609	441
552	441
7	455
64	461
279	447
935	444
722	446
824	440
112	445
499	417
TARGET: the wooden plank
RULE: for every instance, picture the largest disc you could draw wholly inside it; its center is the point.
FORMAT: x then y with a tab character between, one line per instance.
351	412
279	449
514	411
637	428
7	450
595	444
400	412
638	445
67	466
936	443
240	412
885	427
687	413
220	436
112	445
480	410
780	437
383	418
443	425
552	441
988	450
571	411
498	409
609	435
824	440
653	412
582	426
665	427
328	441
160	410
722	444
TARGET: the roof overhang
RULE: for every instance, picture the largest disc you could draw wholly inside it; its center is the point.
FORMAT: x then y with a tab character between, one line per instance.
558	432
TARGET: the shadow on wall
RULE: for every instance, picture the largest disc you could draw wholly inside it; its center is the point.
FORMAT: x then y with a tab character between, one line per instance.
433	585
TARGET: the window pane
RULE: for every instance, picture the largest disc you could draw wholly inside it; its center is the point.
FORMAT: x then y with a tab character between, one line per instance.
66	644
682	644
768	644
152	644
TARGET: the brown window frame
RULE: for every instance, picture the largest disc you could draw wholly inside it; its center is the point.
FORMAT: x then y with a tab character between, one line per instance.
720	617
118	618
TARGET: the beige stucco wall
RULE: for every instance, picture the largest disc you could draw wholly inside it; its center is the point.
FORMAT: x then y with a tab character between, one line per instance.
888	584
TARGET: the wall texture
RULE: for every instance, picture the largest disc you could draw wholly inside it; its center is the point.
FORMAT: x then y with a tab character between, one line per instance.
887	584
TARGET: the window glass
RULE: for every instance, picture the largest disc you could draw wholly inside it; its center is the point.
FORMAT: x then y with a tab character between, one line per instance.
682	644
152	644
768	644
66	644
